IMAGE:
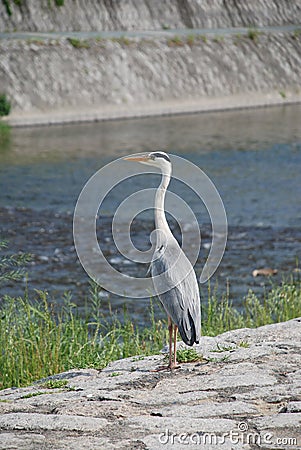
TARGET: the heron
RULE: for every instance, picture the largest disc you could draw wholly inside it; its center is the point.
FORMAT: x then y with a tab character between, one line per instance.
173	276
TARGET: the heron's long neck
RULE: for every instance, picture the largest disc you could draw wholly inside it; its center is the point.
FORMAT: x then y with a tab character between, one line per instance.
160	218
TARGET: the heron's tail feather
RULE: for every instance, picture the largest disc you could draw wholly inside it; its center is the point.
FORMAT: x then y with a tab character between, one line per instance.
187	330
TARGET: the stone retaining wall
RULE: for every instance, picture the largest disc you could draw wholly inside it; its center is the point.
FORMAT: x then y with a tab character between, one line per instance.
85	15
57	75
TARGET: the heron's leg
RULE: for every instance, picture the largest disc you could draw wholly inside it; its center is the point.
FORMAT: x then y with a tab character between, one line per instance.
170	340
173	330
175	346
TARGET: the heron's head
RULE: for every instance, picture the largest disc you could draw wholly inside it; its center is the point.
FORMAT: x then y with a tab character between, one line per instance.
158	159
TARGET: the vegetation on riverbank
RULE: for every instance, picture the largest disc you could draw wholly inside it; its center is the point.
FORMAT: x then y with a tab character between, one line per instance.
38	340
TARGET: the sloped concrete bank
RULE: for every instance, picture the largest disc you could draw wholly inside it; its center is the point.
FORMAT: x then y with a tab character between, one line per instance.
244	394
58	80
85	15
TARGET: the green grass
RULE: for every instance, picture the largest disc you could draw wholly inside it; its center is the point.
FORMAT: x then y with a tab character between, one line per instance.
187	355
279	304
175	41
33	394
55	384
37	340
122	40
79	43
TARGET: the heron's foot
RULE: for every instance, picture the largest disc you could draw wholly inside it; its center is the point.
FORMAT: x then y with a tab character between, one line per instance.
170	366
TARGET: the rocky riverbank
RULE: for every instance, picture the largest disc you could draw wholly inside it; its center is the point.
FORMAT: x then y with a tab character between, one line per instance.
244	394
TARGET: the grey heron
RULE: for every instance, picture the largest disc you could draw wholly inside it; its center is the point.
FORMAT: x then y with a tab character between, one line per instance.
173	276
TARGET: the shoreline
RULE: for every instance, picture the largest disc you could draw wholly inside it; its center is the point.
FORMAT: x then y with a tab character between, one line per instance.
152	109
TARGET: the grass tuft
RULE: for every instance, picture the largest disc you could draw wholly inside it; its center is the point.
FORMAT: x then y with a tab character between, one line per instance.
79	43
55	384
187	355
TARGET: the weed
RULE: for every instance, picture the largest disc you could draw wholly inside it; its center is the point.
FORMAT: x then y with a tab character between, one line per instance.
138	358
283	94
190	40
218	39
243	344
223	348
187	355
296	33
5	105
55	384
225	358
32	394
11	266
253	34
78	43
114	374
123	40
175	41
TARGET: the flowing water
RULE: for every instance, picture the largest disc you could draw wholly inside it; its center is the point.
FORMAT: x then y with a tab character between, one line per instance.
253	157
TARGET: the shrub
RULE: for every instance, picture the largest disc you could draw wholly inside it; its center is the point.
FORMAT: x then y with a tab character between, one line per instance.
4	105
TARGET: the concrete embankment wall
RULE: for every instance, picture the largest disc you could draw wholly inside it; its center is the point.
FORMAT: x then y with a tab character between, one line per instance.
104	78
126	74
84	15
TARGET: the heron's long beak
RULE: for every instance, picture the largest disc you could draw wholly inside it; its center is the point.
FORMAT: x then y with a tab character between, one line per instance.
139	158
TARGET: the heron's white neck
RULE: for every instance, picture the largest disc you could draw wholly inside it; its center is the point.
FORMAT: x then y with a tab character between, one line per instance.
160	218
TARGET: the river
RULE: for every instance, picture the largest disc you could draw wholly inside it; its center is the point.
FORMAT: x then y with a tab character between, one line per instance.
252	156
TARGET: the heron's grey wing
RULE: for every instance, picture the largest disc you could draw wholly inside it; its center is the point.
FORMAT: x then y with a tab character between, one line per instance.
176	286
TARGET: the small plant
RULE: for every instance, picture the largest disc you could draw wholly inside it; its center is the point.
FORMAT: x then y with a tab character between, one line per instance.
12	266
33	394
253	34
78	43
218	39
296	33
203	38
243	344
283	94
190	39
138	358
175	41
223	348
122	40
114	374
224	358
5	105
55	384
237	38
188	355
59	2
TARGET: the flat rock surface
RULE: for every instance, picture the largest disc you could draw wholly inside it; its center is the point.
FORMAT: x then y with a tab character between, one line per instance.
244	394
